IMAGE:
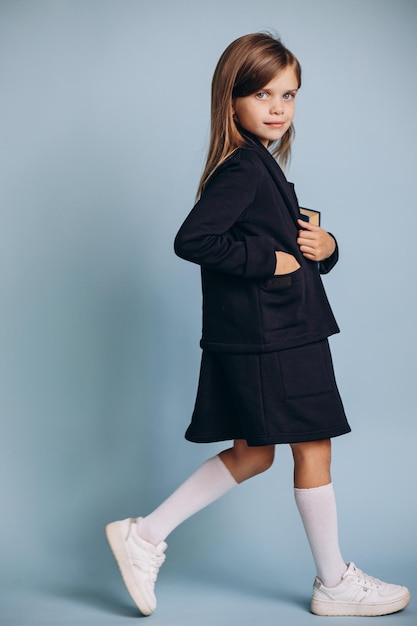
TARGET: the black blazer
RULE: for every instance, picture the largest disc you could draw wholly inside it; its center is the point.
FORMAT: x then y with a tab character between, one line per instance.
247	211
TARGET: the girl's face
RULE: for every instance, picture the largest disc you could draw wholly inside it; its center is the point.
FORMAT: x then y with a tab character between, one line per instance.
268	114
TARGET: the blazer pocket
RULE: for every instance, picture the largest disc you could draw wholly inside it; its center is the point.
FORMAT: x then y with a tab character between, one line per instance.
282	300
278	281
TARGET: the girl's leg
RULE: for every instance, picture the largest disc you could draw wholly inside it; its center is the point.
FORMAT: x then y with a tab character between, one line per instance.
138	544
311	464
339	589
208	483
244	462
316	503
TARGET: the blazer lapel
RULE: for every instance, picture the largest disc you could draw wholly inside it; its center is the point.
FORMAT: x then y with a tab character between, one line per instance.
286	189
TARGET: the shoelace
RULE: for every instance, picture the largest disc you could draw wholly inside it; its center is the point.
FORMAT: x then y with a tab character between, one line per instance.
365	579
149	562
156	561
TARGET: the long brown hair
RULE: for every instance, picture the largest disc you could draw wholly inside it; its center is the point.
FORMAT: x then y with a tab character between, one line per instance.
246	66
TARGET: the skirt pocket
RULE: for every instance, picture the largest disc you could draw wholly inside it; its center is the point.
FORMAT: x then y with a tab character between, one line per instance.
307	370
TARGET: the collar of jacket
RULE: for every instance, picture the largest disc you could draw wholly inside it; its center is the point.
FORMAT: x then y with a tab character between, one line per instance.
286	189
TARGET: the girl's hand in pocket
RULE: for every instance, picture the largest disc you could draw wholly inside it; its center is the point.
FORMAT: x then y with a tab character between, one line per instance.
286	263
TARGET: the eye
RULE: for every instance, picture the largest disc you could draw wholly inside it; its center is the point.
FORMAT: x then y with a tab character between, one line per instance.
288	96
261	95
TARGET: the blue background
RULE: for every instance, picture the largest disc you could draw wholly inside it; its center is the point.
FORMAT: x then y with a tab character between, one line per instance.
104	121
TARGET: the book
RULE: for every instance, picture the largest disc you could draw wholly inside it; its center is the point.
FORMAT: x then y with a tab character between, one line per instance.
310	215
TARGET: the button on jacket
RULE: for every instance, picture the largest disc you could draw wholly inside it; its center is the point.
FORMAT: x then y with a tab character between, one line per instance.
247	211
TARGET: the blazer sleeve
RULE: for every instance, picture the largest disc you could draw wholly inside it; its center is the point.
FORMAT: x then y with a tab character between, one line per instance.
329	263
210	235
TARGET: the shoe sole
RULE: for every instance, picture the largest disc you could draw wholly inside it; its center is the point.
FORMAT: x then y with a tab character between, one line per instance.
116	534
339	609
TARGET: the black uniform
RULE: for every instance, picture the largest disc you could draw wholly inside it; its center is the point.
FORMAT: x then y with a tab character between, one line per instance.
266	373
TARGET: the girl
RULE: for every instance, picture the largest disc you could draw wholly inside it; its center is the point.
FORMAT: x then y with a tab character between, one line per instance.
266	374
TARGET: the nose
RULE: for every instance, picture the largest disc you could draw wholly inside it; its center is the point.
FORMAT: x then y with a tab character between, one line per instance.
277	106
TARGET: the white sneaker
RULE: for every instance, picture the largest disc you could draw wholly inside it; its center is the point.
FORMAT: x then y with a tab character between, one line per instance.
358	594
138	560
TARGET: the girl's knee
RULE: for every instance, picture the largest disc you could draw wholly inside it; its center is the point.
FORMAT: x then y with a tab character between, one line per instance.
311	464
310	450
263	460
257	459
245	462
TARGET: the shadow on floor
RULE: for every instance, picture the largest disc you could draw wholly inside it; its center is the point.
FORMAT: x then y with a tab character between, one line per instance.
101	599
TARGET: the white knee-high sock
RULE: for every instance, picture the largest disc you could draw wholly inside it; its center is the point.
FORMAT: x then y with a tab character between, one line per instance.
208	483
317	508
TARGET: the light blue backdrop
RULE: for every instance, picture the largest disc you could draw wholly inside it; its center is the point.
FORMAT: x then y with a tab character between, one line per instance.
104	118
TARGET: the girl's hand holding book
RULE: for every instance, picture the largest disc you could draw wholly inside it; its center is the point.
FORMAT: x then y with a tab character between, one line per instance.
315	243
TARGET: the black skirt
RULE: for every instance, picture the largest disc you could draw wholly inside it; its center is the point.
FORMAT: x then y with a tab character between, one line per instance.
288	396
